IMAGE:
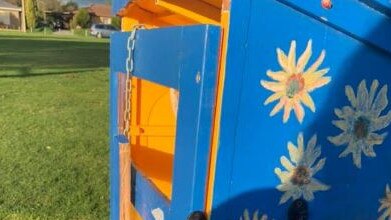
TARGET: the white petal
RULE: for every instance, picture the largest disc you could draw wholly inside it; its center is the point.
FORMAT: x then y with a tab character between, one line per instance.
341	124
318	166
294	153
372	91
351	97
284	198
381	122
308	195
340	139
362	96
316	185
286	163
381	101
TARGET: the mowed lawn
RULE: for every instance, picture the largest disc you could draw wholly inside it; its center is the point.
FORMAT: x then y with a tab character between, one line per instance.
53	127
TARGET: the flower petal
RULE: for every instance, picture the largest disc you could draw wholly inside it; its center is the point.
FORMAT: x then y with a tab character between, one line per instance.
287	111
273	86
318	166
273	97
308	195
294	153
278	107
351	97
300	142
283	175
319	83
381	122
317	63
316	185
286	164
356	152
278	76
292	58
255	216
284	198
307	100
283	60
362	96
372	91
340	139
303	60
341	124
299	111
376	139
381	101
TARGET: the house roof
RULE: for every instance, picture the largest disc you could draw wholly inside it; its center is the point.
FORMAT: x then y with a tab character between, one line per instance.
100	10
8	6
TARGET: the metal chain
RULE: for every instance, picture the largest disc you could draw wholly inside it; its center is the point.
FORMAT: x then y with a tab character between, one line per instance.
129	73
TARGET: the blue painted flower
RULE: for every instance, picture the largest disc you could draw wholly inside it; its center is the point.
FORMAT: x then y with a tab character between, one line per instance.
255	216
386	205
361	121
298	179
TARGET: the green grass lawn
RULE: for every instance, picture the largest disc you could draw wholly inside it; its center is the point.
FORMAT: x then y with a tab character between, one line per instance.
53	127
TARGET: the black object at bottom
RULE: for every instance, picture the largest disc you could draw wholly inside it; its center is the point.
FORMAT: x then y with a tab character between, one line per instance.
197	215
298	210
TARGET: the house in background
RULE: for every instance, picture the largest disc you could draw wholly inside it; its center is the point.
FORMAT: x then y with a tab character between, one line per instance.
100	13
10	16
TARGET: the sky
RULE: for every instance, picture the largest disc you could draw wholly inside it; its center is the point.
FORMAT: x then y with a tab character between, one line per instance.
82	3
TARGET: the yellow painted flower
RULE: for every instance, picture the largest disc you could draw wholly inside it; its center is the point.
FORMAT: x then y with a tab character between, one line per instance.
294	82
246	216
386	205
298	179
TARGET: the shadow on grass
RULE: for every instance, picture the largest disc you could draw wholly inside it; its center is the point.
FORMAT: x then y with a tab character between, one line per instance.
25	72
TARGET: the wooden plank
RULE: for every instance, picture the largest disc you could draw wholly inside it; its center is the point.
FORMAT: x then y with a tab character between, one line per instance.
196	10
215	3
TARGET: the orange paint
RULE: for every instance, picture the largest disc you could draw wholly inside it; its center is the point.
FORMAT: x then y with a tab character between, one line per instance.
216	124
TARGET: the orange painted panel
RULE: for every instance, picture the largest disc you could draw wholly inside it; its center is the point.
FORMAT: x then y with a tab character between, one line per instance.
153	133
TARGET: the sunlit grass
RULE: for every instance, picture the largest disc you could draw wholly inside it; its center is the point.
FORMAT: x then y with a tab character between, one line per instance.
53	127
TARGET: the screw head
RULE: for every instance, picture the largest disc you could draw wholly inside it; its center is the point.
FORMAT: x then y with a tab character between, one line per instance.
327	4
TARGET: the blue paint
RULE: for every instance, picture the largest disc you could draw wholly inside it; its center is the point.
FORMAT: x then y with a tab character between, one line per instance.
350	17
383	6
185	58
195	112
251	142
113	132
148	198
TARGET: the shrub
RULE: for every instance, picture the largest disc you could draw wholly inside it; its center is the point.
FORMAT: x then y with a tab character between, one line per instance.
82	18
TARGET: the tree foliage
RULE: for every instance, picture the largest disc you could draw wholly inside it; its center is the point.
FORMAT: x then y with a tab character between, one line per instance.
31	14
70	6
116	22
82	18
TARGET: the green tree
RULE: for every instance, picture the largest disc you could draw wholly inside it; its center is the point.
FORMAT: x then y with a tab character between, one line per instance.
82	18
70	6
116	22
31	14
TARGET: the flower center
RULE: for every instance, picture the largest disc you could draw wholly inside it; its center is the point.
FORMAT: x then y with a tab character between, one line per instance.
294	85
301	176
361	127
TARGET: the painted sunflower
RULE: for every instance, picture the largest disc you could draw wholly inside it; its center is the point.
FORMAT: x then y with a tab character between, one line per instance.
298	179
386	205
293	84
361	121
256	216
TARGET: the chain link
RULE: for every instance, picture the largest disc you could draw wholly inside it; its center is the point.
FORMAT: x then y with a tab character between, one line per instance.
129	72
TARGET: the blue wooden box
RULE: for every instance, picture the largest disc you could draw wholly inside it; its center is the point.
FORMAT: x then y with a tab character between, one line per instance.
305	112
